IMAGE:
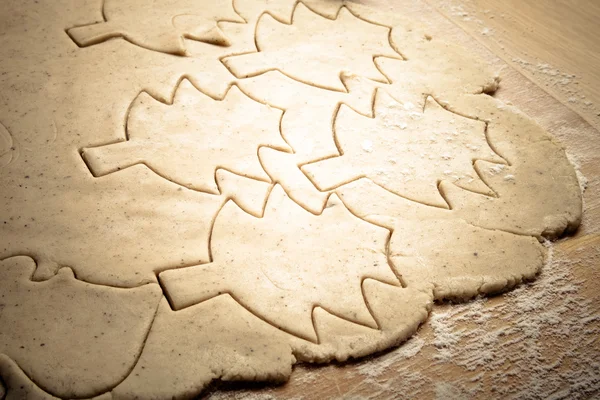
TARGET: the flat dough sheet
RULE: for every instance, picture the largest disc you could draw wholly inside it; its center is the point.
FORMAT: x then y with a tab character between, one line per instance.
194	192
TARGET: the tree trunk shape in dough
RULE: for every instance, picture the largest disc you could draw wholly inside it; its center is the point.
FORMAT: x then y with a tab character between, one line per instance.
304	179
160	26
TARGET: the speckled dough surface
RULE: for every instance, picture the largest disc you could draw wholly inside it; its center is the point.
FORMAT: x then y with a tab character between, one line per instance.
197	191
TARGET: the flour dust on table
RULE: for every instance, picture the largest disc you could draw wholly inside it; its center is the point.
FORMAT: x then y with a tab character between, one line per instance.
218	192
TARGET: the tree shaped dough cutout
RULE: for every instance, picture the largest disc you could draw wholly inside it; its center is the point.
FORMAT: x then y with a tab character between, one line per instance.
406	151
301	195
188	140
316	50
162	25
283	265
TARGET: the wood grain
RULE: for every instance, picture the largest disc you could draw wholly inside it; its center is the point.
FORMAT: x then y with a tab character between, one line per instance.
529	34
556	32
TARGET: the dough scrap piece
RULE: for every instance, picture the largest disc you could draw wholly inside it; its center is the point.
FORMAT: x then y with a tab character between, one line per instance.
237	345
250	195
481	261
187	141
398	310
405	150
58	331
371	202
217	339
314	49
19	386
549	216
309	111
299	262
161	26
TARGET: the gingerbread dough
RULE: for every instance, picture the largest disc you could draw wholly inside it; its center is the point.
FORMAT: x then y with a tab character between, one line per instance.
222	191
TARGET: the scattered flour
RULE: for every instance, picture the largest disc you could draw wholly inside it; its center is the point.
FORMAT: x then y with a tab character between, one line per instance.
538	341
487	31
460	12
568	85
374	368
583	181
565	85
547	328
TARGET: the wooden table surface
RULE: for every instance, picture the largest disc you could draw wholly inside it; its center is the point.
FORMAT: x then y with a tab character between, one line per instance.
529	35
556	45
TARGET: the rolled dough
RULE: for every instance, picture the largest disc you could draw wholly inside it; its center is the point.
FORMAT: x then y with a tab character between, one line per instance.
193	193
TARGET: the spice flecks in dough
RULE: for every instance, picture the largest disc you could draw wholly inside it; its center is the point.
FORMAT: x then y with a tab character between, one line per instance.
105	327
316	50
188	140
283	9
249	194
217	339
407	152
122	228
17	383
481	261
161	26
8	147
295	261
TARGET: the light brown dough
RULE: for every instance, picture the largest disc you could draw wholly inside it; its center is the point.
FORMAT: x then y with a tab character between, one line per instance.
189	348
406	150
74	339
246	157
316	50
219	339
531	153
161	27
282	10
310	111
481	261
80	218
17	385
76	107
8	147
295	259
283	170
171	138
